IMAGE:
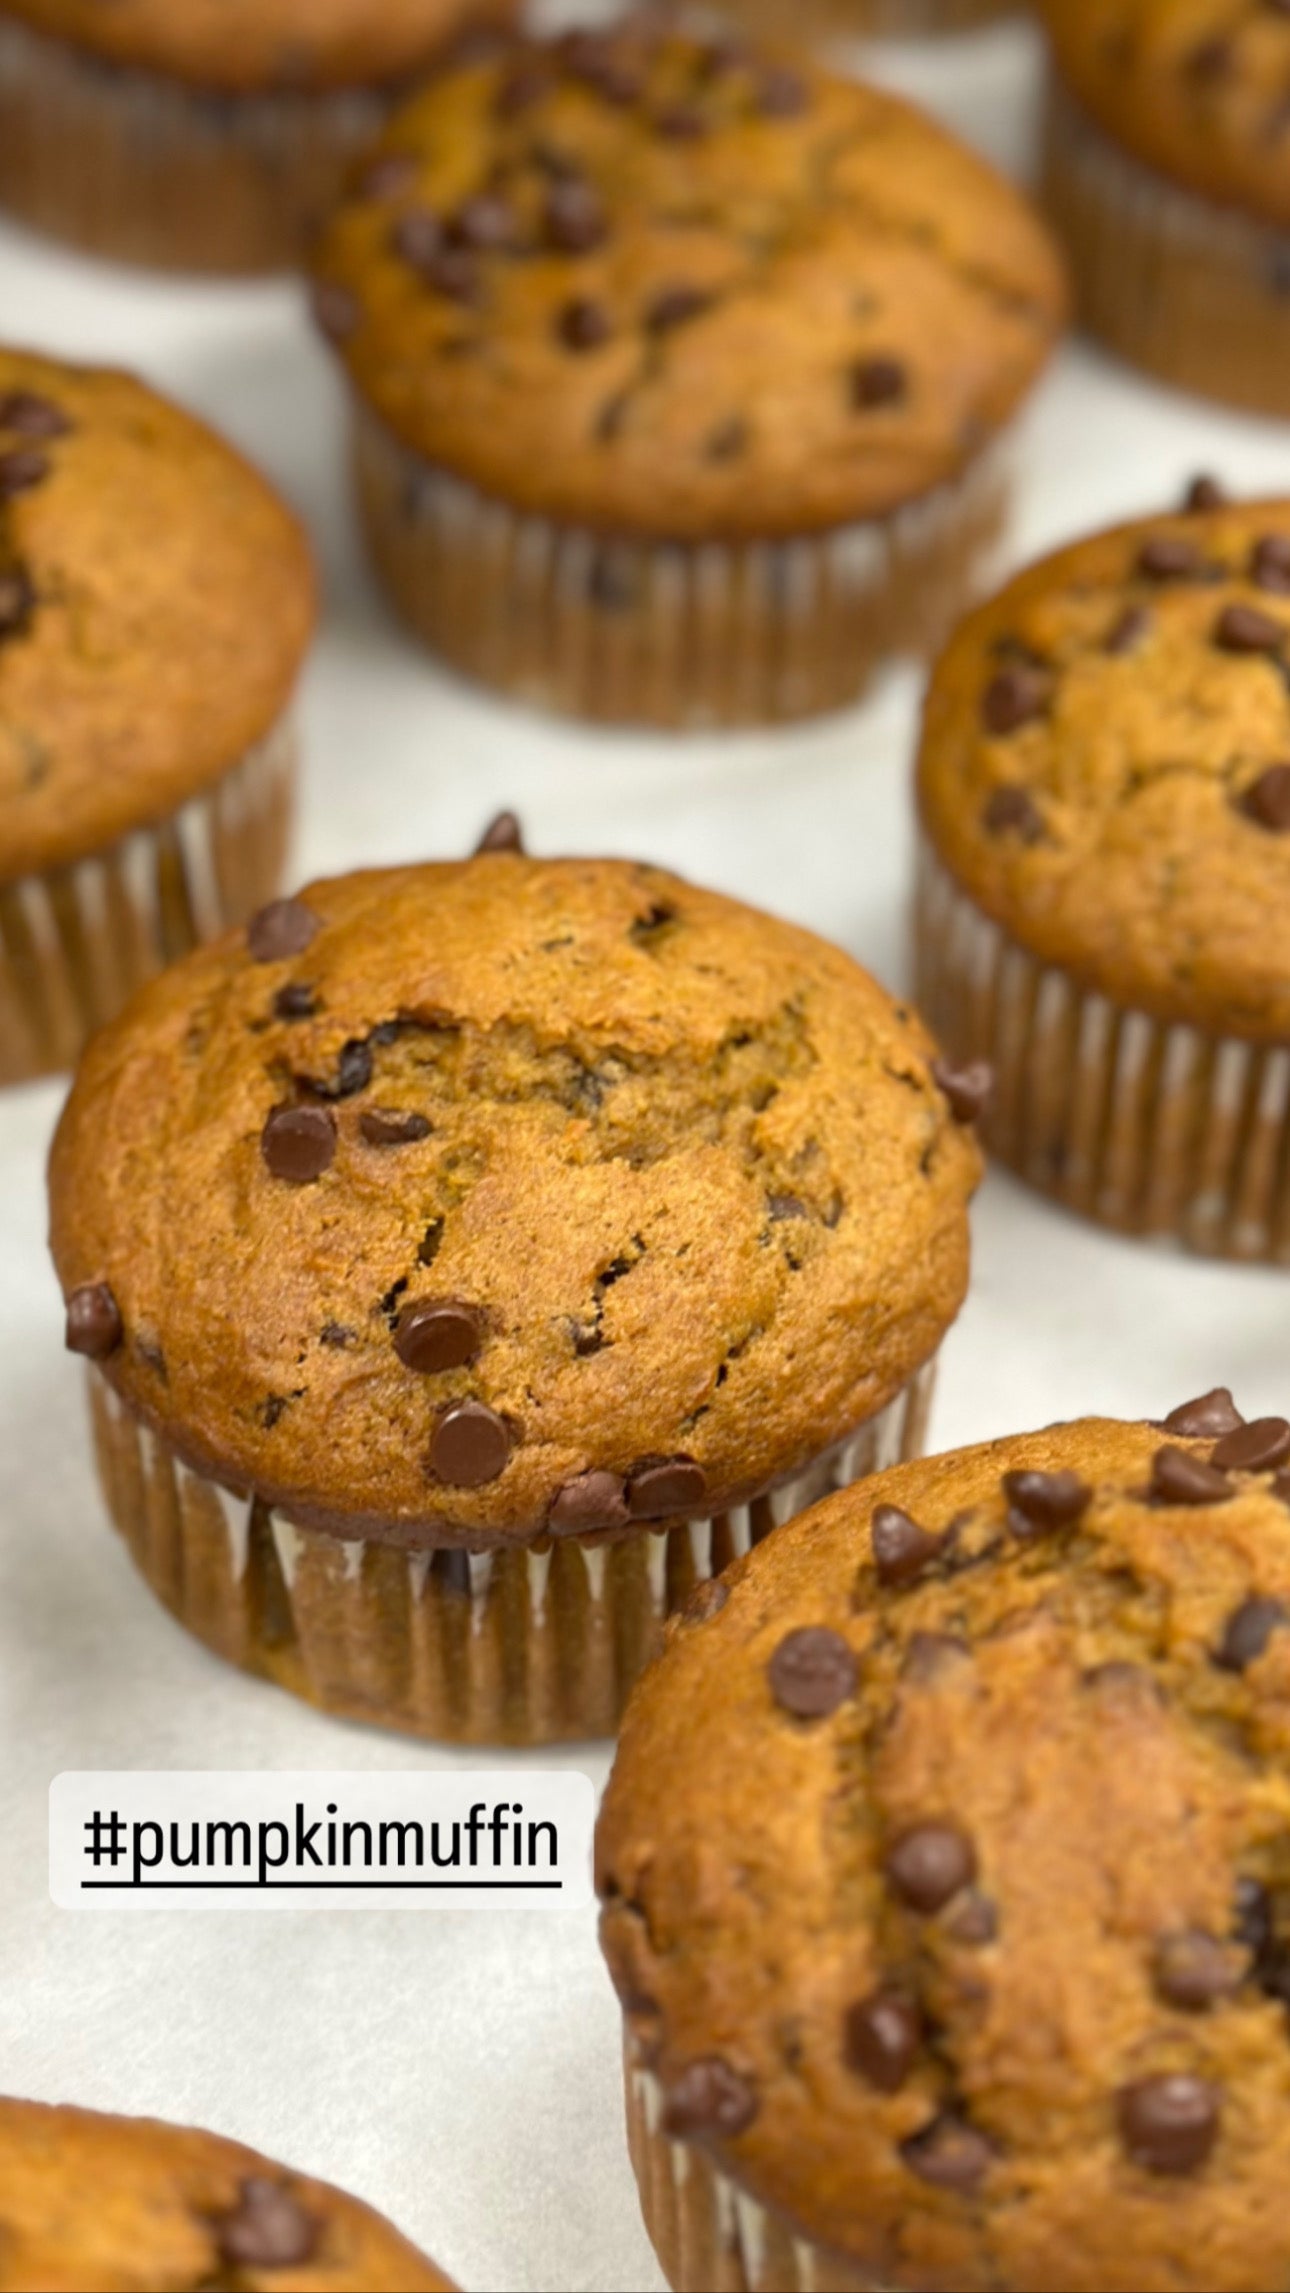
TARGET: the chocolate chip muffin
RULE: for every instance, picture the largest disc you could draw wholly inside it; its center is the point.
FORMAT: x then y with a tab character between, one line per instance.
156	602
129	2205
1168	175
204	135
1104	789
678	368
945	1880
473	1257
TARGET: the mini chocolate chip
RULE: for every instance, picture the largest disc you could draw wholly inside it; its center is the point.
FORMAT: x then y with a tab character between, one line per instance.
594	1500
1243	629
1170	2124
32	416
21	469
881	2037
1170	557
1015	697
708	2098
438	1333
503	834
666	1486
574	219
337	1335
93	1321
1041	1501
1267	800
1210	1414
681	122
878	382
1205	493
1127	631
1193	1969
967	1089
901	1548
1248	1631
285	927
17	602
782	1206
295	1001
974	1920
583	324
781	94
812	1672
336	311
470	1446
706	1601
268	2230
298	1143
1013	811
1253	1448
929	1864
674	306
392	1127
486	223
353	1072
386	175
949	2155
1270	564
1177	1478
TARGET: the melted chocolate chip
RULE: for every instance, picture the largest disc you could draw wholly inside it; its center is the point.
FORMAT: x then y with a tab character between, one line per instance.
1039	1502
1248	1631
392	1127
967	1089
708	2098
706	1601
17	602
881	2038
1192	1970
503	834
470	1446
674	306
32	416
335	309
595	1500
666	1486
1016	696
1170	557
929	1864
574	219
933	1656
298	1143
1270	564
1252	1922
353	1072
1204	493
1243	629
812	1673
948	2154
285	927
295	1001
1180	1479
878	382
486	223
1267	800
974	1920
1127	630
902	1549
583	324
93	1321
681	122
269	2228
1253	1448
21	469
1170	2124
1211	1413
1013	811
438	1333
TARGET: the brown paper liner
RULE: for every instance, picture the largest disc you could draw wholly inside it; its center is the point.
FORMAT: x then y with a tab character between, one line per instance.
1196	293
77	941
1154	1129
667	633
524	1645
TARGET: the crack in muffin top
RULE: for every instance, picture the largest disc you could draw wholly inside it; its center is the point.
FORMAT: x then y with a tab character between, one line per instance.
156	602
1105	764
663	287
455	1203
249	46
946	1864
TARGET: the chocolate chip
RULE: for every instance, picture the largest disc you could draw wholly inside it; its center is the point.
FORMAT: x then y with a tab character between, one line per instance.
1252	1922
93	1321
728	441
298	1143
594	1500
503	834
268	2230
1015	697
881	2037
438	1333
1243	629
486	223
470	1446
335	309
901	1548
574	219
21	469
294	1001
878	382
1180	1479
781	94
974	1920
706	1601
1170	557
967	1089
681	122
285	927
1210	1414
666	1486
708	2098
1248	1631
1253	1448
417	236
1170	2124
1270	564
392	1127
1205	493
949	2155
1042	1501
929	1864
931	1656
1193	1969
583	324
1267	800
812	1672
353	1072
17	602
673	306
32	416
1209	60
386	175
1013	811
337	1335
1127	631
521	89
597	60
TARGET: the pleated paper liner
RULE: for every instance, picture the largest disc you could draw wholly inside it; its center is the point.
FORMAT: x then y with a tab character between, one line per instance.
1154	1129
668	633
1197	293
709	2235
526	1645
76	942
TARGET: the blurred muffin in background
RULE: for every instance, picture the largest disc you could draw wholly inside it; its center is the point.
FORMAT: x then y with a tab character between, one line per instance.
203	135
679	371
867	19
1167	173
156	604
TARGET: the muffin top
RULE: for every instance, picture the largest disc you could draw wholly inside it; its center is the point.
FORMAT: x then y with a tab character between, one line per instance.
1105	764
243	45
132	2205
1198	88
673	288
945	1864
156	600
453	1203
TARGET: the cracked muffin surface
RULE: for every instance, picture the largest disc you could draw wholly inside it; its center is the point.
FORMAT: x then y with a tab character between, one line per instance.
135	2205
471	1199
1105	764
671	288
156	601
241	45
945	1865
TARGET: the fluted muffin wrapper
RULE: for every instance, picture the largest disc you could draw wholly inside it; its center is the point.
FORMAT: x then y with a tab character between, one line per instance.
130	164
76	941
620	630
1195	292
1151	1127
527	1644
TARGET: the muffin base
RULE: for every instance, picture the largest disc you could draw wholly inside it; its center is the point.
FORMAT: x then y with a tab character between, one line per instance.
1151	1128
76	942
621	631
526	1645
1197	293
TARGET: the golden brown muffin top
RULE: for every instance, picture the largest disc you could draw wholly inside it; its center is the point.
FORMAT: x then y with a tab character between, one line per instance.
1197	88
1105	764
156	600
246	45
133	2205
663	287
946	1864
445	1188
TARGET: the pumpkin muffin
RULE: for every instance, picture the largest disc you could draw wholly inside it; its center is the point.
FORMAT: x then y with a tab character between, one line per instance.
518	1241
204	135
1104	894
132	2205
156	602
1168	176
678	370
945	1880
